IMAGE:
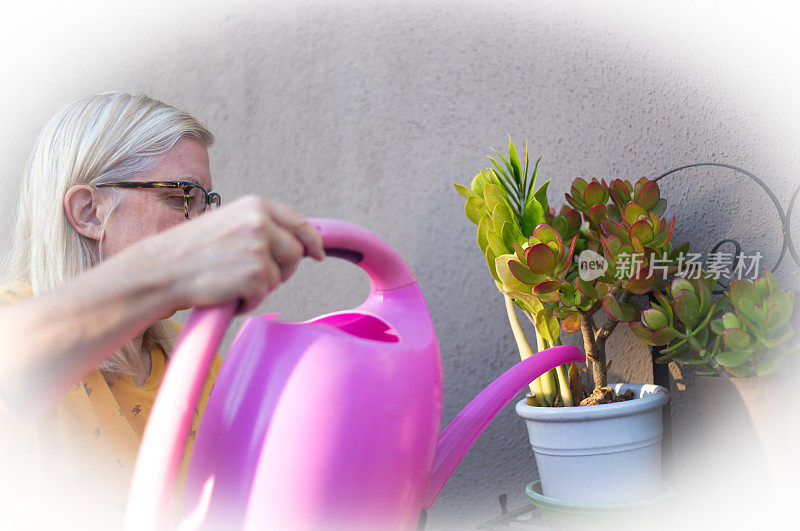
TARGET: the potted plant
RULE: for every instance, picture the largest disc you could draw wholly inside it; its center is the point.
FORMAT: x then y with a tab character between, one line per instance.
607	450
736	345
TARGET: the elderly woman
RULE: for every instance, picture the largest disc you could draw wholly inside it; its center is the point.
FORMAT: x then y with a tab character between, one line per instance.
117	228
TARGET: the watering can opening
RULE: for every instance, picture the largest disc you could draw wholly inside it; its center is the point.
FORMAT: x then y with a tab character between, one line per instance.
359	324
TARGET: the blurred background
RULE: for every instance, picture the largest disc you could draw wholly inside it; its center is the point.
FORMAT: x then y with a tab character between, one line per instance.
369	112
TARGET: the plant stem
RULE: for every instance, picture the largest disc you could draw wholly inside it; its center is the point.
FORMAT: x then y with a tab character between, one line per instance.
549	379
595	349
525	350
563	387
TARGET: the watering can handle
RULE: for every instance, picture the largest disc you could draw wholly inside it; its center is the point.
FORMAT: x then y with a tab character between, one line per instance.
160	454
384	266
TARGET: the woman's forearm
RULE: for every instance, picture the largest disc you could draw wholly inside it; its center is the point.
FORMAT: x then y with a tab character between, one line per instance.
49	342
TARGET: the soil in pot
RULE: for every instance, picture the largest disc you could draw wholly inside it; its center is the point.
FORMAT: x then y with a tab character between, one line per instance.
602	395
605	395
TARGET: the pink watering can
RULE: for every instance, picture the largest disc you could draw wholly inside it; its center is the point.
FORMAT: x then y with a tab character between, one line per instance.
332	423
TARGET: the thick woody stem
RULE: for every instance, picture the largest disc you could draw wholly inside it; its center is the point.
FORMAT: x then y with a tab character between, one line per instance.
595	350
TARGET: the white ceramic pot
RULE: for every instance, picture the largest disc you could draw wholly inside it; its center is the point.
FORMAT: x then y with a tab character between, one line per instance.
604	453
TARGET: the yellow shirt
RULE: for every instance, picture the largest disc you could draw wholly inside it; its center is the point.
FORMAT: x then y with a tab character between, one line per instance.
90	440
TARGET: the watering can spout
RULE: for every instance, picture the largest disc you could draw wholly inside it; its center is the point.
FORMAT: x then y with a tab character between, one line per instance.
461	433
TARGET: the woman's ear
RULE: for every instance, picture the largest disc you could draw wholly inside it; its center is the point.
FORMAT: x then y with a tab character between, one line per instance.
85	207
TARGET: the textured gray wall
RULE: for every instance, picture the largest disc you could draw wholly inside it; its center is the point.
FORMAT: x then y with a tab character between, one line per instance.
369	111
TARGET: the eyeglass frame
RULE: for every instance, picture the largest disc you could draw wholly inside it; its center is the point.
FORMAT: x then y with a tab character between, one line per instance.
209	198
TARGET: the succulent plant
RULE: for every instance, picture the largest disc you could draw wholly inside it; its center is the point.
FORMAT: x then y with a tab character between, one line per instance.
679	318
747	331
530	253
502	202
542	277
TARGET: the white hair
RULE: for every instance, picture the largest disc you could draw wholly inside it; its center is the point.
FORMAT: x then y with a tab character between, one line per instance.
97	139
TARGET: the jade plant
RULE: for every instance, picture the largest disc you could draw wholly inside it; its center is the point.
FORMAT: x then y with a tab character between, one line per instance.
746	332
531	251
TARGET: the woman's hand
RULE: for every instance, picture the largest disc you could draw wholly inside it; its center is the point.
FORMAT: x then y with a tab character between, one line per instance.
241	251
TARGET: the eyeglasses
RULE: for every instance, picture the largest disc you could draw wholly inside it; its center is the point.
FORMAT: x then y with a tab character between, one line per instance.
195	198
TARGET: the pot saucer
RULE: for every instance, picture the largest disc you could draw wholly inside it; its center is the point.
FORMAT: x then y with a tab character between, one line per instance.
597	515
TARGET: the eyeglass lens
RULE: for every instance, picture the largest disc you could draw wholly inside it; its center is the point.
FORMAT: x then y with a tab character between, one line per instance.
196	201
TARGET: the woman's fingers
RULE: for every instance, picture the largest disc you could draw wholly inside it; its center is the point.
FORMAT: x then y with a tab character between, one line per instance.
294	222
244	251
286	251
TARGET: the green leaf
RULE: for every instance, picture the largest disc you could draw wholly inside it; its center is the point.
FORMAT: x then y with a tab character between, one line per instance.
493	194
483	232
642	333
594	194
474	209
548	286
665	305
509	168
611	306
568	294
742	371
587	288
501	214
729	320
704	295
541	259
736	338
762	286
771	362
541	193
547	326
772	282
678	284
733	358
478	183
545	234
490	258
686	307
743	289
509	280
597	214
532	304
620	311
506	182
532	216
464	191
497	244
664	336
523	274
648	195
702	326
632	213
510	234
519	252
572	323
699	340
752	314
676	347
694	362
777	338
512	156
612	227
782	301
717	326
655	318
525	175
